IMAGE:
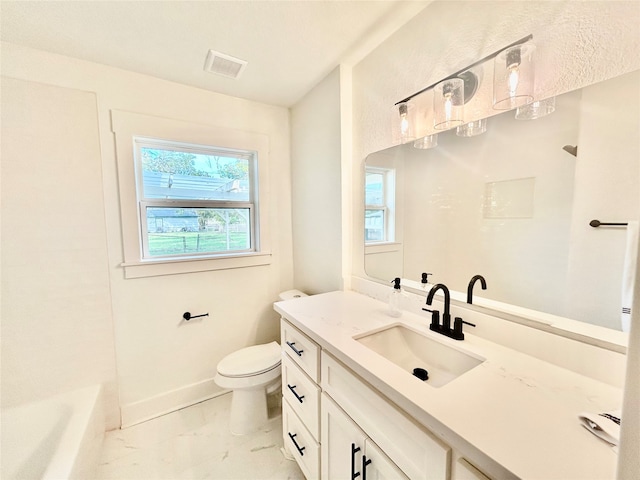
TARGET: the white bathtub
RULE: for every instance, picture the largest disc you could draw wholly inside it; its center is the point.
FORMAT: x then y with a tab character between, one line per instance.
59	438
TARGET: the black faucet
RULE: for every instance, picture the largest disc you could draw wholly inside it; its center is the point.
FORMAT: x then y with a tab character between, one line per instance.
472	282
445	328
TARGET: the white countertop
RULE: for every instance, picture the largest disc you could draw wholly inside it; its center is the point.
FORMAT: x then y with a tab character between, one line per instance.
515	414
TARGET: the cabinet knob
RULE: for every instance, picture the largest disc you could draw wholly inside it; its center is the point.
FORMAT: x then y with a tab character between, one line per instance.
354	450
298	447
298	352
292	387
365	461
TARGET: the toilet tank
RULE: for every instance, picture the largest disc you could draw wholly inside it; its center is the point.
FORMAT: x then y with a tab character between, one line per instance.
291	294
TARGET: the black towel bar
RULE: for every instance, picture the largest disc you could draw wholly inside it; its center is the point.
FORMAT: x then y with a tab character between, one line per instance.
597	223
187	316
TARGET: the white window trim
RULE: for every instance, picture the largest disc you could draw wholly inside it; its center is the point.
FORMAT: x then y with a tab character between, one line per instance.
387	206
250	204
382	247
126	126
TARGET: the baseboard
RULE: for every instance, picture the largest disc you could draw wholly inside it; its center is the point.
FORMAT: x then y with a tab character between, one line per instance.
143	410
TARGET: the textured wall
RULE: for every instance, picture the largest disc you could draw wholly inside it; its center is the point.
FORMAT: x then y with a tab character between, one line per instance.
578	44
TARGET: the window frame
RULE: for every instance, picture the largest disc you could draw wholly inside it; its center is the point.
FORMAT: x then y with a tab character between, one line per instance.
144	202
128	125
387	207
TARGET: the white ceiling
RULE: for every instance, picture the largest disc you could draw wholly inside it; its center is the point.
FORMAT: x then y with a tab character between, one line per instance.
289	45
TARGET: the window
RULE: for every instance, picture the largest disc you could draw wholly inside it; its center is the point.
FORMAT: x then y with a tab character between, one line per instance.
189	197
194	200
379	205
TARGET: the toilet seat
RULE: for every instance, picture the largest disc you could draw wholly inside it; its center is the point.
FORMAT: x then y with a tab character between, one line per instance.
251	361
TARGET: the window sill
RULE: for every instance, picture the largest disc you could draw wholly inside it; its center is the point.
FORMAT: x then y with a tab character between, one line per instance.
154	268
382	247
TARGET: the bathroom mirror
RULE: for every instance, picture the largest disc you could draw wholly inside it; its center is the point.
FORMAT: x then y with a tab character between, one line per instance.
514	205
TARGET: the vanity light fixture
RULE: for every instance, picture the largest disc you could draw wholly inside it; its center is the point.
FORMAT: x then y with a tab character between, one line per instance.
472	129
513	77
467	73
427	142
403	122
520	71
448	104
538	109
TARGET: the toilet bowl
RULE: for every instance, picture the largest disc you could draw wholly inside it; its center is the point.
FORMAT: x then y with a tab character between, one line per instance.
252	373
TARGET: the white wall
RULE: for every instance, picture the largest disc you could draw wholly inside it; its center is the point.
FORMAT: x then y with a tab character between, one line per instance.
57	332
316	187
608	176
449	233
163	363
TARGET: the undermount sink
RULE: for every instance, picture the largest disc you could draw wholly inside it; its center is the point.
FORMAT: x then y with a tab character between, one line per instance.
410	349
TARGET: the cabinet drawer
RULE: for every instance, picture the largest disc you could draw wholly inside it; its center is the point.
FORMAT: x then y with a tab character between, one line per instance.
300	443
412	448
301	349
302	394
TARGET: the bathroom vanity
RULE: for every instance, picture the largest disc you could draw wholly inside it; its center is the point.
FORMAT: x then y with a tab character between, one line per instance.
353	409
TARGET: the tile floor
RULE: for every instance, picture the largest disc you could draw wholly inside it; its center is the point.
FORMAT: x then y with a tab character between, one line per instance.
195	443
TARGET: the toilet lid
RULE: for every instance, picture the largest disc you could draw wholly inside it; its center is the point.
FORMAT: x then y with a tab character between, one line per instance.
252	360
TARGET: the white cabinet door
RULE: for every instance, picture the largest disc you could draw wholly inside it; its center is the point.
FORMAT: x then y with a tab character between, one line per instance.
342	443
346	451
377	466
411	447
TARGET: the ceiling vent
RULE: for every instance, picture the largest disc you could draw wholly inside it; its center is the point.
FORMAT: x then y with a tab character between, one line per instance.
224	65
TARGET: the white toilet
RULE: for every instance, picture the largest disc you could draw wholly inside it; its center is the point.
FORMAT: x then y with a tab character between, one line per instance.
252	373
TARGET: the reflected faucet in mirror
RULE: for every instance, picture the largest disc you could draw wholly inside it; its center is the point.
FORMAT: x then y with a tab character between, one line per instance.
472	282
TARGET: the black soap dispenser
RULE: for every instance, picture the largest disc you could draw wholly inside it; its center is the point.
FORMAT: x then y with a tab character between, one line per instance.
394	299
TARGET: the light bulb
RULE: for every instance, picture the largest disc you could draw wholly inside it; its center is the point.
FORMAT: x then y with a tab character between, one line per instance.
514	59
448	102
404	125
447	106
514	77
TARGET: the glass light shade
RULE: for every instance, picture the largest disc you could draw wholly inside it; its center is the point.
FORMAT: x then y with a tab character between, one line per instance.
471	129
427	142
538	109
513	77
403	123
448	104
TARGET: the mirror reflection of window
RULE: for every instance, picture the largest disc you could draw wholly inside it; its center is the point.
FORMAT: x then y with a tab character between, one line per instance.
379	199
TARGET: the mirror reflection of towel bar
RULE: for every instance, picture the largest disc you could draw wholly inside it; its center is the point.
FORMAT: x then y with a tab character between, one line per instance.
597	223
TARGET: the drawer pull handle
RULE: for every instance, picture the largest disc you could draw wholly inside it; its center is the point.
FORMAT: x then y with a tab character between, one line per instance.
354	450
300	449
298	352
365	461
299	397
